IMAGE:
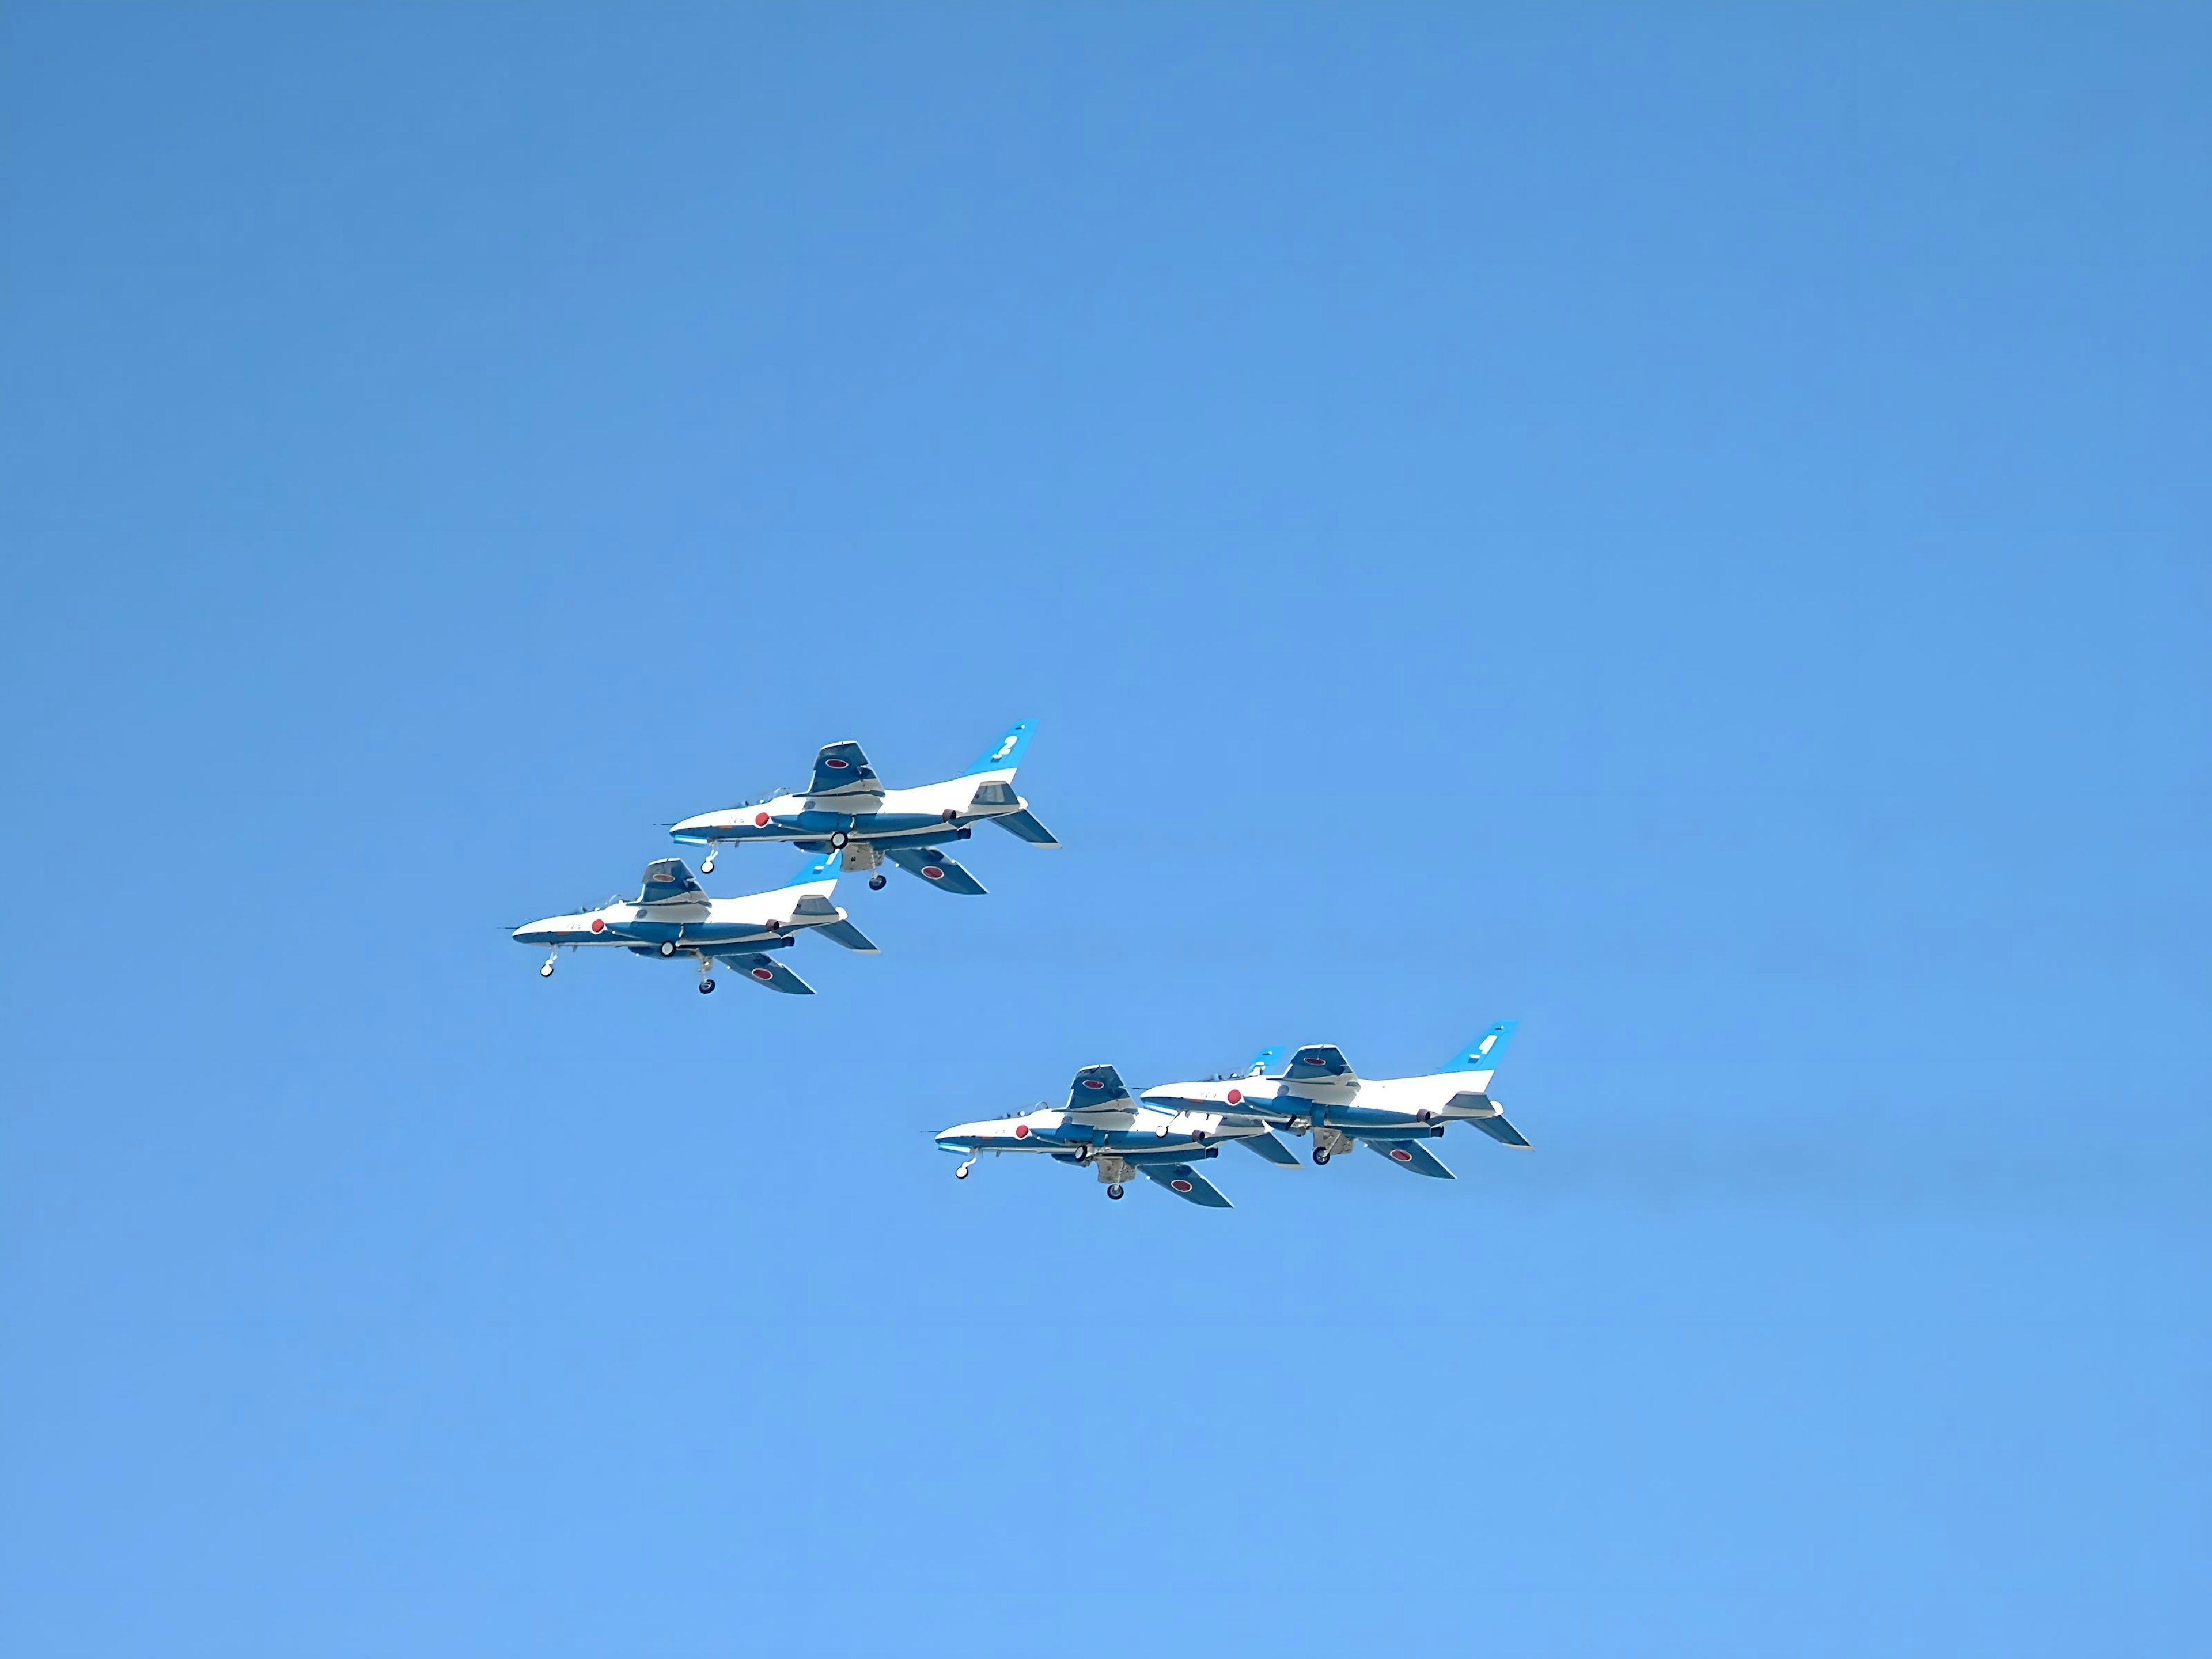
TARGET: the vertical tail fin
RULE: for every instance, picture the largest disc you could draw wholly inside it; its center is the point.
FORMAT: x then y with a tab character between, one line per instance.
824	868
1261	1062
1483	1053
1004	755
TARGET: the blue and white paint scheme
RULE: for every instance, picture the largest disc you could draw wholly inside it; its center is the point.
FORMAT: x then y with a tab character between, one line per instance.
1317	1093
673	917
846	810
1102	1127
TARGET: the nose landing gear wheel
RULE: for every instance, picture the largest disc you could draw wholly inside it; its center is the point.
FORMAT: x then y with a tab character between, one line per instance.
706	986
960	1174
545	970
668	947
876	882
1320	1155
1114	1191
706	865
837	839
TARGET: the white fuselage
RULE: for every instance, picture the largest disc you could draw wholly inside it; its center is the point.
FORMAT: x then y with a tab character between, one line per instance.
694	924
1347	1102
905	815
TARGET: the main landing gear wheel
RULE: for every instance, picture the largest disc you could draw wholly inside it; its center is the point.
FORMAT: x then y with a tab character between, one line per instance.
668	947
837	839
1320	1155
1114	1191
705	985
875	882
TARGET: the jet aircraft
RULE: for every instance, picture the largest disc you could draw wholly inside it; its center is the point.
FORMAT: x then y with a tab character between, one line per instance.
1319	1094
673	917
1101	1127
846	810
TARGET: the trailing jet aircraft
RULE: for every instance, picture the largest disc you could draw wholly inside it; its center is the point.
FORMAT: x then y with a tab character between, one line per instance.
1101	1128
1319	1094
673	917
846	810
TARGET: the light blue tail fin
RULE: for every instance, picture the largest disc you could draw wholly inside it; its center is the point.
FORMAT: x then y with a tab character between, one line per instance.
824	868
1004	755
1485	1051
1261	1062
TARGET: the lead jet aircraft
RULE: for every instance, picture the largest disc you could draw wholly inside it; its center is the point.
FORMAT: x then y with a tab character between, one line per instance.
673	917
1101	1128
846	810
1319	1094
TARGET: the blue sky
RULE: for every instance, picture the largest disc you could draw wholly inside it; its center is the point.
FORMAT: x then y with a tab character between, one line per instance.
1685	527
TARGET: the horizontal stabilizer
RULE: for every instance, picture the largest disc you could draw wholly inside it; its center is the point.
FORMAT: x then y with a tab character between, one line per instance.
1319	1063
844	933
1412	1156
668	881
1022	826
1186	1182
933	867
842	769
1500	1131
1096	1086
1271	1149
769	974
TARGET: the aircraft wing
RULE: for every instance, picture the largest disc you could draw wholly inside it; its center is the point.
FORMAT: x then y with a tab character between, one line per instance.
767	972
1412	1156
933	867
841	767
669	878
1096	1086
1319	1063
1186	1182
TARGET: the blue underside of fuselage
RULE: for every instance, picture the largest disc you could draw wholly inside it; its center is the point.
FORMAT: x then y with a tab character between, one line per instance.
650	935
880	828
1136	1146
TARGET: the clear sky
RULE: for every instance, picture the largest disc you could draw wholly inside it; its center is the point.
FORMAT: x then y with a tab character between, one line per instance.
1686	527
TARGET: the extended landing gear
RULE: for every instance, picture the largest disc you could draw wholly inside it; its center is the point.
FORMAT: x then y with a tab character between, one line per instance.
1113	1189
706	865
875	882
668	947
960	1174
545	968
837	839
1327	1143
705	987
1320	1155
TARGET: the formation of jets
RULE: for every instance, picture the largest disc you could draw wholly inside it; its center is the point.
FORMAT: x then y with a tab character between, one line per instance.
1163	1134
848	822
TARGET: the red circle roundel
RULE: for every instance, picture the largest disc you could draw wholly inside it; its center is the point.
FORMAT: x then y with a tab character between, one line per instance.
932	872
1401	1155
763	972
760	820
1235	1096
1093	1083
1021	1130
835	764
598	924
1180	1186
